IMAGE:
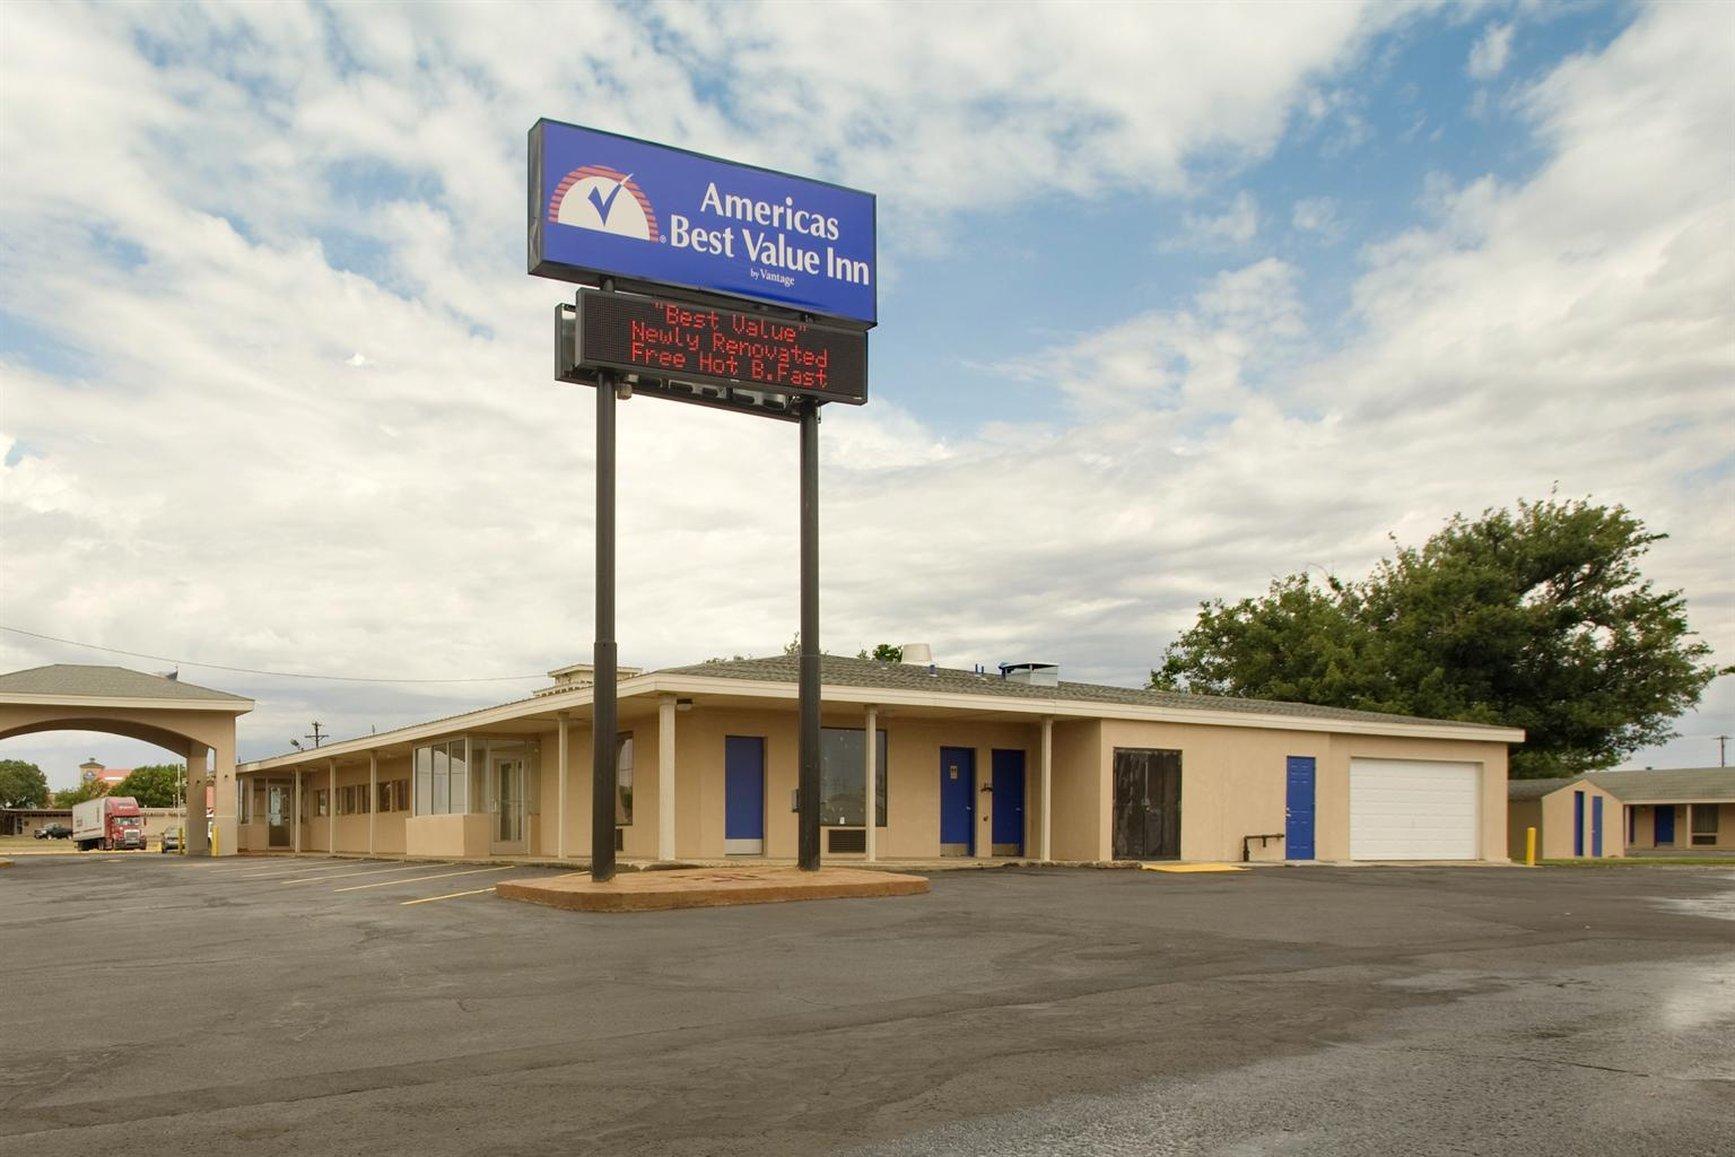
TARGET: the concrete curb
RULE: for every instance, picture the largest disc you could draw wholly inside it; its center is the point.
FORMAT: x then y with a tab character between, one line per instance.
708	888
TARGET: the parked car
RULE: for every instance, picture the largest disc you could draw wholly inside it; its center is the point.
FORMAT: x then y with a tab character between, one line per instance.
54	832
171	840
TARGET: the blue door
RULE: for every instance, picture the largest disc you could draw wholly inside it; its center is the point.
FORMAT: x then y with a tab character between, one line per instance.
1596	825
957	801
1578	823
744	795
1008	803
1665	825
1298	809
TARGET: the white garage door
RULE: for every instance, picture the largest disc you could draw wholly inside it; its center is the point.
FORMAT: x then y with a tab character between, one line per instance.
1410	809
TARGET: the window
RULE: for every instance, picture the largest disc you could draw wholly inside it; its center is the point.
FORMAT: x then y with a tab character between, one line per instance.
841	761
322	802
352	800
623	812
442	778
394	795
1704	824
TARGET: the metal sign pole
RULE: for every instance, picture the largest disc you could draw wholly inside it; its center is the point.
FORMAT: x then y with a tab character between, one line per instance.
605	768
809	746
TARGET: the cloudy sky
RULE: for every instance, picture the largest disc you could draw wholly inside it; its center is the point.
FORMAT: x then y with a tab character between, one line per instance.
1174	300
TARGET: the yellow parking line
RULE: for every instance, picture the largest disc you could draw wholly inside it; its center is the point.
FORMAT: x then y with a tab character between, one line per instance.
447	896
347	875
419	879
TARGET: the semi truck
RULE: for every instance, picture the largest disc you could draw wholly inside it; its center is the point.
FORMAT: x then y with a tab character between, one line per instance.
112	823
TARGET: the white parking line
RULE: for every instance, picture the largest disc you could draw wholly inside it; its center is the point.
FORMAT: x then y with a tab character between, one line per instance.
367	872
447	896
419	879
307	871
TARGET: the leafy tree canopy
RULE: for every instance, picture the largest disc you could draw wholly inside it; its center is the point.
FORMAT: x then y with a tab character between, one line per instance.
1536	618
155	785
884	652
68	796
22	784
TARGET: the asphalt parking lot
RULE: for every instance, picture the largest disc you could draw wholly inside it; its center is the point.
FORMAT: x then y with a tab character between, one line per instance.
326	1006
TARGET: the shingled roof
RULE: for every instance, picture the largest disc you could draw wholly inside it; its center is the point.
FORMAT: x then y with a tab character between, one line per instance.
81	681
1519	790
1669	784
838	671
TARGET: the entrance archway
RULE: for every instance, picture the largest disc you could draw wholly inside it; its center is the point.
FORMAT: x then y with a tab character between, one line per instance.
193	722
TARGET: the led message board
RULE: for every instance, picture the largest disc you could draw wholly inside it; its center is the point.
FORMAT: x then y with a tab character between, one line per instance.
656	340
650	216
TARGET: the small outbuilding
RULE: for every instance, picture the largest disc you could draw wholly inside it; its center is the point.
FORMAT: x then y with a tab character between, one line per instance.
1573	817
1674	809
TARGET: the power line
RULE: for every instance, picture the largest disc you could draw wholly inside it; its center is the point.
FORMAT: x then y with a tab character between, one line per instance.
257	671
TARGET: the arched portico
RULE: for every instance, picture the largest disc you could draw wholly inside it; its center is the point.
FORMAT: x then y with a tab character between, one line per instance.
194	722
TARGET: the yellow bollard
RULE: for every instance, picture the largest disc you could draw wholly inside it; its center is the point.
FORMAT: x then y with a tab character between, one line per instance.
1530	847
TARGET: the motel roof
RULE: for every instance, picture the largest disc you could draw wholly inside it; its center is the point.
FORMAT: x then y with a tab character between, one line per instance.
836	670
909	687
1669	784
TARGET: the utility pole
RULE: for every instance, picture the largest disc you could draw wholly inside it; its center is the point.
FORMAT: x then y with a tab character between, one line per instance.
316	734
1722	751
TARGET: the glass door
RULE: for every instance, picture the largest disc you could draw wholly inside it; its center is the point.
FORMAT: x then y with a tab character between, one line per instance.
508	775
279	802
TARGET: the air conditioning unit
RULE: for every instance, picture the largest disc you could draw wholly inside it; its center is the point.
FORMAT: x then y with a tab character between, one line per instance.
1035	674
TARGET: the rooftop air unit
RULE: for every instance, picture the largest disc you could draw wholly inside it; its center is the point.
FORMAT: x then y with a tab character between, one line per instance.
1035	674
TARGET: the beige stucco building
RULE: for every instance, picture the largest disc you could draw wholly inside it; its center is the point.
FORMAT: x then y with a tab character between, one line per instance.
1616	813
1677	809
964	764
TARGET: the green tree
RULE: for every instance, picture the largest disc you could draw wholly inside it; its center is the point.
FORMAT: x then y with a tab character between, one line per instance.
1536	618
155	785
67	796
22	784
884	652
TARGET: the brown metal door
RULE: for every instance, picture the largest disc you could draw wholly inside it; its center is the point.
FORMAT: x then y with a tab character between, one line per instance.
1147	804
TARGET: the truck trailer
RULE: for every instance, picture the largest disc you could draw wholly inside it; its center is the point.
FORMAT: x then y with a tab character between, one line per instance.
111	823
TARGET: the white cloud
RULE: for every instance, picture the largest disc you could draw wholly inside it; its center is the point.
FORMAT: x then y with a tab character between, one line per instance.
1488	56
210	477
1318	216
1234	227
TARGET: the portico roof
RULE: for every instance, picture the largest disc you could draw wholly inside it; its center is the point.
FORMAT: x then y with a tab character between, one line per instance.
78	684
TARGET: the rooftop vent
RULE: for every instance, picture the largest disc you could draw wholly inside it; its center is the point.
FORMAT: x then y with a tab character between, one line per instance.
918	653
1035	674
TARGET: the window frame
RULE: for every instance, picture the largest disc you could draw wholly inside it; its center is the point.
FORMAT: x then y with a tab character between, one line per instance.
436	769
625	751
1703	834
